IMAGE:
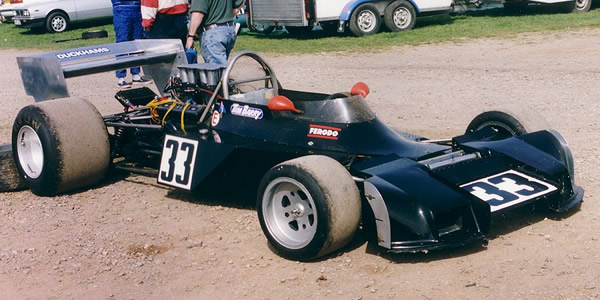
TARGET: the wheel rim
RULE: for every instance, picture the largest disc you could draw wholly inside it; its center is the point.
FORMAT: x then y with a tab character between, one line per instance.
498	127
289	213
58	24
581	4
30	152
366	21
402	17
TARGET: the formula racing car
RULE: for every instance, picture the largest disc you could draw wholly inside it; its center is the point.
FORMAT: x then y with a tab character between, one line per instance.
326	161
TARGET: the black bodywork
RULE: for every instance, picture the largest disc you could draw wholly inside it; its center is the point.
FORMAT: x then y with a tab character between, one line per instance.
421	194
412	186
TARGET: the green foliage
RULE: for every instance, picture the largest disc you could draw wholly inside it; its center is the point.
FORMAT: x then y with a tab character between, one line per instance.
496	23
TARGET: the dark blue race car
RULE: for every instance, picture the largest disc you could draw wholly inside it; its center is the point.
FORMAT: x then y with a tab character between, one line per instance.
325	162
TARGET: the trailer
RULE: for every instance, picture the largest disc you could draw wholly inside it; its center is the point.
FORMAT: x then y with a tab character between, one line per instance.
366	17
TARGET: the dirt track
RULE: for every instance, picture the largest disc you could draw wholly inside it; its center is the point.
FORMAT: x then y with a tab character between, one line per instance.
130	238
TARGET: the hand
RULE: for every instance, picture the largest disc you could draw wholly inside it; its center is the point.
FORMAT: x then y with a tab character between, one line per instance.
189	42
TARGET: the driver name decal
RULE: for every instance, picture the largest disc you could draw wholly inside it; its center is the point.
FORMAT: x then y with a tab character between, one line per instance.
246	111
82	52
507	189
324	132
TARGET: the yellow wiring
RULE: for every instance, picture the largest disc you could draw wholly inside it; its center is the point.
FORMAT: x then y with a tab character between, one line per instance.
182	113
154	104
167	113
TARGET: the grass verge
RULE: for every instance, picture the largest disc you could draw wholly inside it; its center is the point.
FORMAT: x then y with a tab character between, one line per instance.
492	23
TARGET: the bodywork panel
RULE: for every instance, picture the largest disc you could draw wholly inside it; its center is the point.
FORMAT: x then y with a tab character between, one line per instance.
423	194
44	75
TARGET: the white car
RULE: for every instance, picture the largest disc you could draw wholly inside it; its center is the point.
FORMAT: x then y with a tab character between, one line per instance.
7	9
58	15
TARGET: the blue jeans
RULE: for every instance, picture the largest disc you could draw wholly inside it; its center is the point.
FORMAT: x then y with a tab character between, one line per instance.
127	19
216	44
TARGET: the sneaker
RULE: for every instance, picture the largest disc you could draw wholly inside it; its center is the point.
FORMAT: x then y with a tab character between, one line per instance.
140	80
123	84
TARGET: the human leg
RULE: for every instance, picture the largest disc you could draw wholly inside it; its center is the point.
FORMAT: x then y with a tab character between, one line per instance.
133	24
216	44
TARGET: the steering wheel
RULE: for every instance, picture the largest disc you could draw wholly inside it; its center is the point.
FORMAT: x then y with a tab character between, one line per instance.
269	74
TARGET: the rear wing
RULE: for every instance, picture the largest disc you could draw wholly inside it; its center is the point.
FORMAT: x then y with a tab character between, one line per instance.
44	75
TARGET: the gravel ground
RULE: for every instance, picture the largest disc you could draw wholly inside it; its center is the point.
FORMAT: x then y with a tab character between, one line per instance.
130	238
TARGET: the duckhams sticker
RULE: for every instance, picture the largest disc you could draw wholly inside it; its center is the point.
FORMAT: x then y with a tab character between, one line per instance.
82	52
324	132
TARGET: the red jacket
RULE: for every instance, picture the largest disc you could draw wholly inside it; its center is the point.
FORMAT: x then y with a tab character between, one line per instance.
152	7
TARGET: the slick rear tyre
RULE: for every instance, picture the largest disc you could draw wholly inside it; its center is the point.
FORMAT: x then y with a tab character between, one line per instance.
365	20
509	120
308	207
400	16
10	180
60	145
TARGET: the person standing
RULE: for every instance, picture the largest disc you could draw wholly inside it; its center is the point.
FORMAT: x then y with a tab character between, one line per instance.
127	20
215	20
165	19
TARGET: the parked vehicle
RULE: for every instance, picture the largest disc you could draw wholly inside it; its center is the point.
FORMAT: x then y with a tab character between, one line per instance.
57	16
242	19
365	17
7	9
326	161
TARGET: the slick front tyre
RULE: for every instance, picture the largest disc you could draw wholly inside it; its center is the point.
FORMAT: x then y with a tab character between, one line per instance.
10	180
308	207
60	145
510	121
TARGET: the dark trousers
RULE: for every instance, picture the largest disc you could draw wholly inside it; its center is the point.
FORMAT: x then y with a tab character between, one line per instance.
170	27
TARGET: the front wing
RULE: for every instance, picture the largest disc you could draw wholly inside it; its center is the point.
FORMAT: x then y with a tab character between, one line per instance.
433	203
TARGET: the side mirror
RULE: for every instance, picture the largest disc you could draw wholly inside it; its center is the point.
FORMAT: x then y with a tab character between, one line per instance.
282	103
360	88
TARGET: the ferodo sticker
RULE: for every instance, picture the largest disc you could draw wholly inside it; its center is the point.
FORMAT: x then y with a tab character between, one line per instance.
507	189
324	132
